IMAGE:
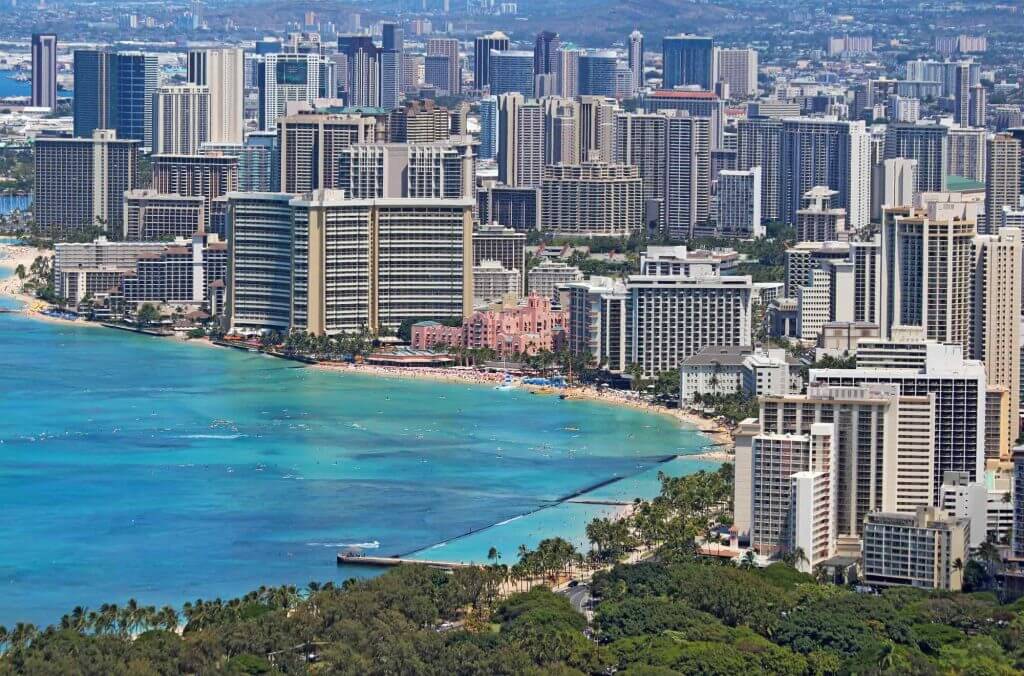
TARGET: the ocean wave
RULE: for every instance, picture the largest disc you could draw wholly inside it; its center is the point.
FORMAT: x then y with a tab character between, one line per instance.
514	518
342	545
213	436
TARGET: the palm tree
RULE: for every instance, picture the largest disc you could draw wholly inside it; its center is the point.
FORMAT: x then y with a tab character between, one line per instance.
748	560
493	555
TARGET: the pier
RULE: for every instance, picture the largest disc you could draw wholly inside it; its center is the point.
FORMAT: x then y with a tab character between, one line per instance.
359	560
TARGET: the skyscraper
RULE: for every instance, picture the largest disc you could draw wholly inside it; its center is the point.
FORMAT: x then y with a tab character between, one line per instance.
996	327
758	144
545	53
962	95
482	48
738	69
596	73
635	59
114	90
688	60
448	48
568	72
926	143
511	71
826	152
739	204
92	105
311	145
44	70
134	81
282	78
80	182
223	72
488	128
364	71
181	119
1002	184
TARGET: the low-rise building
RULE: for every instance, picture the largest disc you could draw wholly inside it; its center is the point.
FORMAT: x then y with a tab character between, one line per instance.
926	549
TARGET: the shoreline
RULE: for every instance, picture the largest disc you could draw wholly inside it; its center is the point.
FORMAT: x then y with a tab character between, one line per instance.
719	437
720	440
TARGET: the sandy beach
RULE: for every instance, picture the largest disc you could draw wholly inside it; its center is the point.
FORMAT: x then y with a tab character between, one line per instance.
721	438
12	255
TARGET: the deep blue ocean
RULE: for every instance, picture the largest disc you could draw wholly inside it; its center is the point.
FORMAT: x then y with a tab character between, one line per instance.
140	467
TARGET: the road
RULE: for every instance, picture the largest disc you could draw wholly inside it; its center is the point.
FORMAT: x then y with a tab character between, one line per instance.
579	597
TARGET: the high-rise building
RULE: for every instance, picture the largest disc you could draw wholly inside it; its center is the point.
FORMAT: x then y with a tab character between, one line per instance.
440	170
520	141
996	307
365	76
832	153
437	73
739	203
448	48
597	128
208	176
1003	178
1017	544
561	131
591	199
956	386
568	72
928	270
738	69
396	259
259	285
80	183
284	78
222	71
545	53
181	119
758	144
641	141
311	144
962	95
687	174
44	70
978	114
150	216
482	48
670	318
114	90
511	71
596	73
819	220
926	143
134	81
91	105
488	128
967	151
696	103
420	121
495	242
635	58
688	60
259	161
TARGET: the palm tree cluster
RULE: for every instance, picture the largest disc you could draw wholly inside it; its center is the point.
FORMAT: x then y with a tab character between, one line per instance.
323	347
125	621
553	559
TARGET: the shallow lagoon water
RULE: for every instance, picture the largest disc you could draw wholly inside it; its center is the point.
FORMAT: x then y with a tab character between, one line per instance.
138	467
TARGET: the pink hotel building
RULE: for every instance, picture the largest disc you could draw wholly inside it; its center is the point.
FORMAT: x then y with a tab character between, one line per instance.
524	329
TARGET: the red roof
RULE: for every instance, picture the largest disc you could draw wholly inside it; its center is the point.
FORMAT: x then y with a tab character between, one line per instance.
684	94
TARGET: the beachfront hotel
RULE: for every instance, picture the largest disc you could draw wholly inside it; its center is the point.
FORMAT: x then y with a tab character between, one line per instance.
374	263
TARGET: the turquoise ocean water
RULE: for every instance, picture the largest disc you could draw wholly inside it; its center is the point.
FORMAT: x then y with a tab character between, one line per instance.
139	467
